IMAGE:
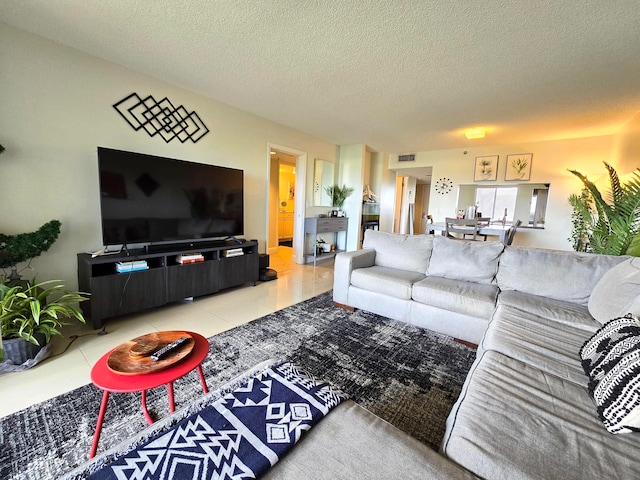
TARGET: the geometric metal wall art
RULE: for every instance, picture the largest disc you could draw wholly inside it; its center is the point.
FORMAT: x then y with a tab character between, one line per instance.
161	118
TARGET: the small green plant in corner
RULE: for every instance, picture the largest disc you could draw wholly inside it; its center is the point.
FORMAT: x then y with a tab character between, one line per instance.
338	194
29	310
608	225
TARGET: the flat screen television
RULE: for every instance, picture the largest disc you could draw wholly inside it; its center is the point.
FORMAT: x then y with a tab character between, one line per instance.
150	199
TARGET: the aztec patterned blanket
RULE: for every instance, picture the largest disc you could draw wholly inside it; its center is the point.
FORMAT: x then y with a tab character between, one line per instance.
238	436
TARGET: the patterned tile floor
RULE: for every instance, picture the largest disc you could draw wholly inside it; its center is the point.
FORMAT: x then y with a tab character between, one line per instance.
207	315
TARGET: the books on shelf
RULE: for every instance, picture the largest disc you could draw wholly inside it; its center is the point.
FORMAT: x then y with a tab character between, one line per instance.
189	258
232	252
133	266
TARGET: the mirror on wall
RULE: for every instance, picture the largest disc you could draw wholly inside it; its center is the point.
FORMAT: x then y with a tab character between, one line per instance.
526	202
322	178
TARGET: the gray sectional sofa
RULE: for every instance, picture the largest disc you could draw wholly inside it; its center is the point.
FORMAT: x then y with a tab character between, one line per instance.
525	410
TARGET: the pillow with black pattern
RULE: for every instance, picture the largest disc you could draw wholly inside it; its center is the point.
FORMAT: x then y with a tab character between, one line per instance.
617	395
611	360
595	350
617	349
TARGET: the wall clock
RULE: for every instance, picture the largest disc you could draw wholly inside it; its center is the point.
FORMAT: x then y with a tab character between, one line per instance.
443	186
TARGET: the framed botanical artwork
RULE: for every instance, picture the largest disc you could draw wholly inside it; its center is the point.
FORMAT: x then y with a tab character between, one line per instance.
486	168
518	166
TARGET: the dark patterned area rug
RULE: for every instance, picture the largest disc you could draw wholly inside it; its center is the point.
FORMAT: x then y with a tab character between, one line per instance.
409	376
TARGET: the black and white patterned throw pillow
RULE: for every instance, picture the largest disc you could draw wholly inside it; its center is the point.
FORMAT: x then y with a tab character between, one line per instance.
611	360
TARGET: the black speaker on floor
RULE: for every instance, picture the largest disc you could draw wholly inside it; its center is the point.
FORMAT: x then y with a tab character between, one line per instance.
266	274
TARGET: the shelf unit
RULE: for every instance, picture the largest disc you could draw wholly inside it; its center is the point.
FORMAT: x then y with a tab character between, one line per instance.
314	226
165	281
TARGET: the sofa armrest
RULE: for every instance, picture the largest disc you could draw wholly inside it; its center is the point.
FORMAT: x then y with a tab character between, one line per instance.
345	263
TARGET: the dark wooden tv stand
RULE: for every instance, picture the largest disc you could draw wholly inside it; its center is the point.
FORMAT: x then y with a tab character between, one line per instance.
165	281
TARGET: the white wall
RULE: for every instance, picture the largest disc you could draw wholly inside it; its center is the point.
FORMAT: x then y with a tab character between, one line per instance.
351	173
57	108
384	185
551	161
626	152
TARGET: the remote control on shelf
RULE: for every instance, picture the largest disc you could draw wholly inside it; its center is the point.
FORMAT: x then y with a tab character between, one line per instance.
164	350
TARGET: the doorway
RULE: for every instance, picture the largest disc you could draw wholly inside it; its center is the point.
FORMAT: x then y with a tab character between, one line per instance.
285	205
286	197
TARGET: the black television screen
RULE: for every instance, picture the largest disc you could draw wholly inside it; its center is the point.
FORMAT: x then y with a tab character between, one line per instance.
149	199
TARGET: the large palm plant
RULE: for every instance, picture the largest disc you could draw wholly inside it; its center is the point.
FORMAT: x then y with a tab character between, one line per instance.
611	225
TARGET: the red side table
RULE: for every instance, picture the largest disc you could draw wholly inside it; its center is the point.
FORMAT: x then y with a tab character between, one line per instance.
106	379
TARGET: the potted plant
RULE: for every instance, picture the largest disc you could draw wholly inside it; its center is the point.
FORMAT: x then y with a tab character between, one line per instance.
19	248
338	195
31	313
607	224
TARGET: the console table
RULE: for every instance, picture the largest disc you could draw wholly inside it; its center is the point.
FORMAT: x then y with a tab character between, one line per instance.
313	226
164	281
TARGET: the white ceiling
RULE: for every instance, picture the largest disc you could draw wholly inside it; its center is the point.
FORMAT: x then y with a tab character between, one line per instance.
399	76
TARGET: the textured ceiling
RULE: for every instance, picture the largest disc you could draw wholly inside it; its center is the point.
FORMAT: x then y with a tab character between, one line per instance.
398	75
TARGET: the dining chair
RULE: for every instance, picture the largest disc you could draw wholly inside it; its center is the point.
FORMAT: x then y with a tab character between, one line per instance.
483	222
512	232
462	227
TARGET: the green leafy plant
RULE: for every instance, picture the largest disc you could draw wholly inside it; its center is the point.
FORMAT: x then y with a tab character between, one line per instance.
338	194
31	308
25	246
582	209
611	224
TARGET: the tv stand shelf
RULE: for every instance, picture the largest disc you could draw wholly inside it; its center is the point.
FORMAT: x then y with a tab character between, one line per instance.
165	281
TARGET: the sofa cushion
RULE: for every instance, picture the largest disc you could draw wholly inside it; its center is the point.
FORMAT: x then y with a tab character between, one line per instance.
464	260
404	252
568	276
468	298
617	292
353	443
537	341
516	421
390	281
566	313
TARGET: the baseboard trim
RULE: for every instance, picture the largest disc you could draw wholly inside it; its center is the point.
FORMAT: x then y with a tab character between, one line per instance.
468	344
346	307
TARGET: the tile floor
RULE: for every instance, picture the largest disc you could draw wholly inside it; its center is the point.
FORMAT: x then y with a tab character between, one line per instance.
206	315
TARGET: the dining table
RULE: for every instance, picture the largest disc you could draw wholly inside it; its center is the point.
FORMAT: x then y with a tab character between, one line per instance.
497	229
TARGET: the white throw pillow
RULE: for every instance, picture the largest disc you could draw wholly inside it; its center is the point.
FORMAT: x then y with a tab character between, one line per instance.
617	292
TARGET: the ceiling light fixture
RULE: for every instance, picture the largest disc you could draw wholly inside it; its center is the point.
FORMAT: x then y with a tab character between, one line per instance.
474	133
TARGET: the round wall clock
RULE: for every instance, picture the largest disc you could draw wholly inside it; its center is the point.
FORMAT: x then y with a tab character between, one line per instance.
443	185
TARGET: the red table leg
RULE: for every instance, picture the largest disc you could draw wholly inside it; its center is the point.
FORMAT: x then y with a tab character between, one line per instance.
172	403
144	407
202	380
96	435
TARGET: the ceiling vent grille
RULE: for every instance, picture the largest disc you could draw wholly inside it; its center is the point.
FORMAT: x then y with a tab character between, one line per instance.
407	158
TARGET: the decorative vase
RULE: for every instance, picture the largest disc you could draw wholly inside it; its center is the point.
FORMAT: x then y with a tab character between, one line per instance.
19	350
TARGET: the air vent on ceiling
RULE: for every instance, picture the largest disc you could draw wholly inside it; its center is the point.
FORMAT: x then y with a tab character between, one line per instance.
407	158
